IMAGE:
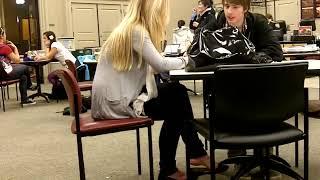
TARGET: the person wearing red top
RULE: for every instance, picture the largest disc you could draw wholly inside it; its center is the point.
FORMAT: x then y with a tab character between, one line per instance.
19	71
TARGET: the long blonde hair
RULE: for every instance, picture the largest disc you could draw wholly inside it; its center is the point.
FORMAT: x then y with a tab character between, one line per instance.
151	17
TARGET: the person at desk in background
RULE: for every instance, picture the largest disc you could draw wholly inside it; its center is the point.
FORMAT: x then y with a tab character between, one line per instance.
270	21
9	53
55	50
183	36
201	15
124	84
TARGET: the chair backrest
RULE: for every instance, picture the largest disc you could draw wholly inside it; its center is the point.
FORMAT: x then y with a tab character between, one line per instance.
72	68
72	88
257	96
2	72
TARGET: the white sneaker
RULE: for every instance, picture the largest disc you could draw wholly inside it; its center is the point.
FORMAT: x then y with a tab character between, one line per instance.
28	102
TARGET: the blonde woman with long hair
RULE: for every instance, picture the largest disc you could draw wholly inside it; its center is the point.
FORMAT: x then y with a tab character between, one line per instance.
124	84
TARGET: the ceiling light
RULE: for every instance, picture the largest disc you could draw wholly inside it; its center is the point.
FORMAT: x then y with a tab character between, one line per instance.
20	1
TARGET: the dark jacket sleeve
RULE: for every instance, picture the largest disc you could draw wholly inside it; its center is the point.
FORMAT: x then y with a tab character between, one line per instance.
208	17
264	39
191	23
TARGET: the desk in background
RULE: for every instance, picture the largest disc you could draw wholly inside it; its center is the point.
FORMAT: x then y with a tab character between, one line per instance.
301	54
38	66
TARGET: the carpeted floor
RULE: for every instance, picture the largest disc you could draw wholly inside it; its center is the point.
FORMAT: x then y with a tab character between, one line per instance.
36	144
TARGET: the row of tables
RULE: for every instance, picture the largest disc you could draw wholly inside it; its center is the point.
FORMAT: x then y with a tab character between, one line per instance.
314	69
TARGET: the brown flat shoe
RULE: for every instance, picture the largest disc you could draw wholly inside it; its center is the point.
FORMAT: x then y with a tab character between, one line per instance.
178	175
205	161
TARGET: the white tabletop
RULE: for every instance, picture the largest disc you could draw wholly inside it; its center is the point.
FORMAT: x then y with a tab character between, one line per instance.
314	65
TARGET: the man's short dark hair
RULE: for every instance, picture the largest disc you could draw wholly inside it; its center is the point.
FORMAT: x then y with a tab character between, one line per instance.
206	3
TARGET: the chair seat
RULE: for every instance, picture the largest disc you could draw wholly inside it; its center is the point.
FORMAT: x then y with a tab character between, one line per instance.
283	134
85	85
8	82
91	127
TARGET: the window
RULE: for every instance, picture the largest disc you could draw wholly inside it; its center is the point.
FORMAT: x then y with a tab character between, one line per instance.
310	9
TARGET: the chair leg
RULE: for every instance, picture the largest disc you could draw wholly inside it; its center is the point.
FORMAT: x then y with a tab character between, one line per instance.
296	144
267	167
277	150
17	91
274	165
212	162
138	151
8	92
3	97
279	159
206	144
80	158
306	158
188	168
4	93
150	153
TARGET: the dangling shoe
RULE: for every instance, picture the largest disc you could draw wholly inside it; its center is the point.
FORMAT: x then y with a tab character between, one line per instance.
205	161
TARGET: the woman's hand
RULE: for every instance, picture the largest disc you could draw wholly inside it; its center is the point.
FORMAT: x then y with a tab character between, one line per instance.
11	45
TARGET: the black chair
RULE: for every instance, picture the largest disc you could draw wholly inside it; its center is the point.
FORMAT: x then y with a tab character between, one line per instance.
248	107
4	82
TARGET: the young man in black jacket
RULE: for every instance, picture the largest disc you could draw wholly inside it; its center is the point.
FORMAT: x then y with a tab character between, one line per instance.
254	26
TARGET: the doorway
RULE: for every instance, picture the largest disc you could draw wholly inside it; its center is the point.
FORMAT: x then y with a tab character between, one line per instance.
21	20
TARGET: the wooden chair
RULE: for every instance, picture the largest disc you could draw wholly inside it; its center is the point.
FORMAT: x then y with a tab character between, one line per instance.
85	125
85	85
4	82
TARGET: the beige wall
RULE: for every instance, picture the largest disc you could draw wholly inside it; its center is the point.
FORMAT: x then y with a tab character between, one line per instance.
1	13
55	15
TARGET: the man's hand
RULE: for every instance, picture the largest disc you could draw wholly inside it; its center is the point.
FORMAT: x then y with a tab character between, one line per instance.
195	24
37	58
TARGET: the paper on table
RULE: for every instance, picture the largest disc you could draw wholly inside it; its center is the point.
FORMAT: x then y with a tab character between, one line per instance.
172	49
306	48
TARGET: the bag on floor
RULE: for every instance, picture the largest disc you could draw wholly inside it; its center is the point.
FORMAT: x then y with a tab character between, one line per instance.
58	92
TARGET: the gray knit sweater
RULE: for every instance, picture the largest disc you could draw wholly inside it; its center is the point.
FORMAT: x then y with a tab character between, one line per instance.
113	91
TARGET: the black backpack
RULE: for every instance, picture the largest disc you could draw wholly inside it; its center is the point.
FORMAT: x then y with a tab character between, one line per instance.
223	46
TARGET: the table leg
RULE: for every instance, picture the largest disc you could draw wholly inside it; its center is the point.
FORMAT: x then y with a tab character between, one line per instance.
39	93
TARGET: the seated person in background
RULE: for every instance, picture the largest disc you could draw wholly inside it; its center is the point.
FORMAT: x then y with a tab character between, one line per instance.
55	50
269	17
183	36
203	14
124	84
9	53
